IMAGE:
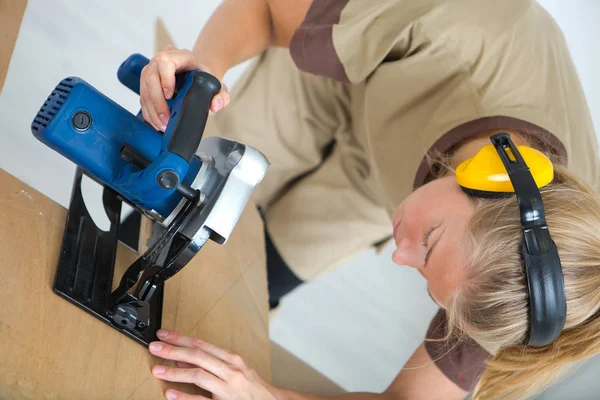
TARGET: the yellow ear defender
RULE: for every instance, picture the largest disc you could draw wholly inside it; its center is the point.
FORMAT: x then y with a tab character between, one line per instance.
485	175
502	168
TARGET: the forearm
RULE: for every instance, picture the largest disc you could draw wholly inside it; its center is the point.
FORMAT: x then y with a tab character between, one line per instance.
237	31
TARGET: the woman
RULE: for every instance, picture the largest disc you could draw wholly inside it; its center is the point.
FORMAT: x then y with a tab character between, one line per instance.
365	109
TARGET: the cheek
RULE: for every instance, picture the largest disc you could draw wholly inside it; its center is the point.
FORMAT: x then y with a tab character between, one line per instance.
437	291
446	271
418	201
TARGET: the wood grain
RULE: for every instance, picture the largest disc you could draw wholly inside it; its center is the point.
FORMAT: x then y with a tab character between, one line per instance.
11	14
54	350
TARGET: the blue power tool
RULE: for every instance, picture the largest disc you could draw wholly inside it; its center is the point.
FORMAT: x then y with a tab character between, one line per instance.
194	190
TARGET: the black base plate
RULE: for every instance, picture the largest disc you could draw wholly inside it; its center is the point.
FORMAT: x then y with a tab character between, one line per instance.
86	265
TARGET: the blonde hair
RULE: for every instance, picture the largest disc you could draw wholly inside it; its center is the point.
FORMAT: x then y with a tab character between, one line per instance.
491	306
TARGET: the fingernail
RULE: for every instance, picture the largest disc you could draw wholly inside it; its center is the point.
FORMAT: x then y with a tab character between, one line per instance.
164	119
159	369
219	103
161	333
156	346
166	92
171	394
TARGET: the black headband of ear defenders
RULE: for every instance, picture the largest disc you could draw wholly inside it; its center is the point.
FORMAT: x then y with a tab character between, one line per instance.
547	300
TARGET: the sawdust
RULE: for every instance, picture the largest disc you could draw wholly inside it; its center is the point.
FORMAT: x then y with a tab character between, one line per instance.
26	194
25	389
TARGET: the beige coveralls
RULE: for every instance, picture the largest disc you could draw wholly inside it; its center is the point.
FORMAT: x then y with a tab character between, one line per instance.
368	87
387	81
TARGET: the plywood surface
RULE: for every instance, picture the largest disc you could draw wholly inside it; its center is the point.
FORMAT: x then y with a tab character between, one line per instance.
51	349
11	14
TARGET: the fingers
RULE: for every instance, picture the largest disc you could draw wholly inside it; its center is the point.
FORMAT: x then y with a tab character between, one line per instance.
153	96
177	339
177	395
197	376
166	71
184	60
221	100
157	84
193	356
169	62
146	114
182	364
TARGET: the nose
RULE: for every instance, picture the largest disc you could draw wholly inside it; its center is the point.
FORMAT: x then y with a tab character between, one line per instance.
408	253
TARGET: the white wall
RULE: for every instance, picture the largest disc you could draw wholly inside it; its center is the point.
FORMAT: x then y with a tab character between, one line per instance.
579	22
357	325
88	39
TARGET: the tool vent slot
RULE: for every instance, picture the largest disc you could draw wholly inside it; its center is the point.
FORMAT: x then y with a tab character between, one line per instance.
52	105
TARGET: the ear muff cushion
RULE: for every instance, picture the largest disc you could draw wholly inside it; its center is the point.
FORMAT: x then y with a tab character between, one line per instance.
485	172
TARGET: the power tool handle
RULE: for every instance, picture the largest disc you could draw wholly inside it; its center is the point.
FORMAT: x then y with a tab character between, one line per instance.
130	71
193	114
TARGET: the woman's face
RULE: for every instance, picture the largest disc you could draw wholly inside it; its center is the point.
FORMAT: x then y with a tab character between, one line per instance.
429	228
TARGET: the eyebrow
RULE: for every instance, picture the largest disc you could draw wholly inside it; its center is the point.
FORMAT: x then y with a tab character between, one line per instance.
432	247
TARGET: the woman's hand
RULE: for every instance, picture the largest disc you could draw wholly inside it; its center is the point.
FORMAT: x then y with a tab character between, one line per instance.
209	367
157	83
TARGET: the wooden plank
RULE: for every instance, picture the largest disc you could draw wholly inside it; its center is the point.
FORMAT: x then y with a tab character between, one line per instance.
162	38
11	14
54	350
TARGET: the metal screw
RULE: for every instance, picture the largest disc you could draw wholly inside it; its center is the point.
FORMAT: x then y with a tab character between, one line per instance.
154	215
168	179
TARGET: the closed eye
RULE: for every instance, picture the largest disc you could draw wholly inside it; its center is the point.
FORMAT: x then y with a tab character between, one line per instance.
428	254
426	235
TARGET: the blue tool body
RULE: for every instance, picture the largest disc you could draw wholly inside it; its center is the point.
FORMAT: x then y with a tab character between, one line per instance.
118	148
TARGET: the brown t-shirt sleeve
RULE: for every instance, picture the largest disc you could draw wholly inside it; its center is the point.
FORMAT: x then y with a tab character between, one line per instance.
347	40
312	47
463	362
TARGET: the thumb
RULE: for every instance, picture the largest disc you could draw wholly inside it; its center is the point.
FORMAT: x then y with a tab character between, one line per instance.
221	100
